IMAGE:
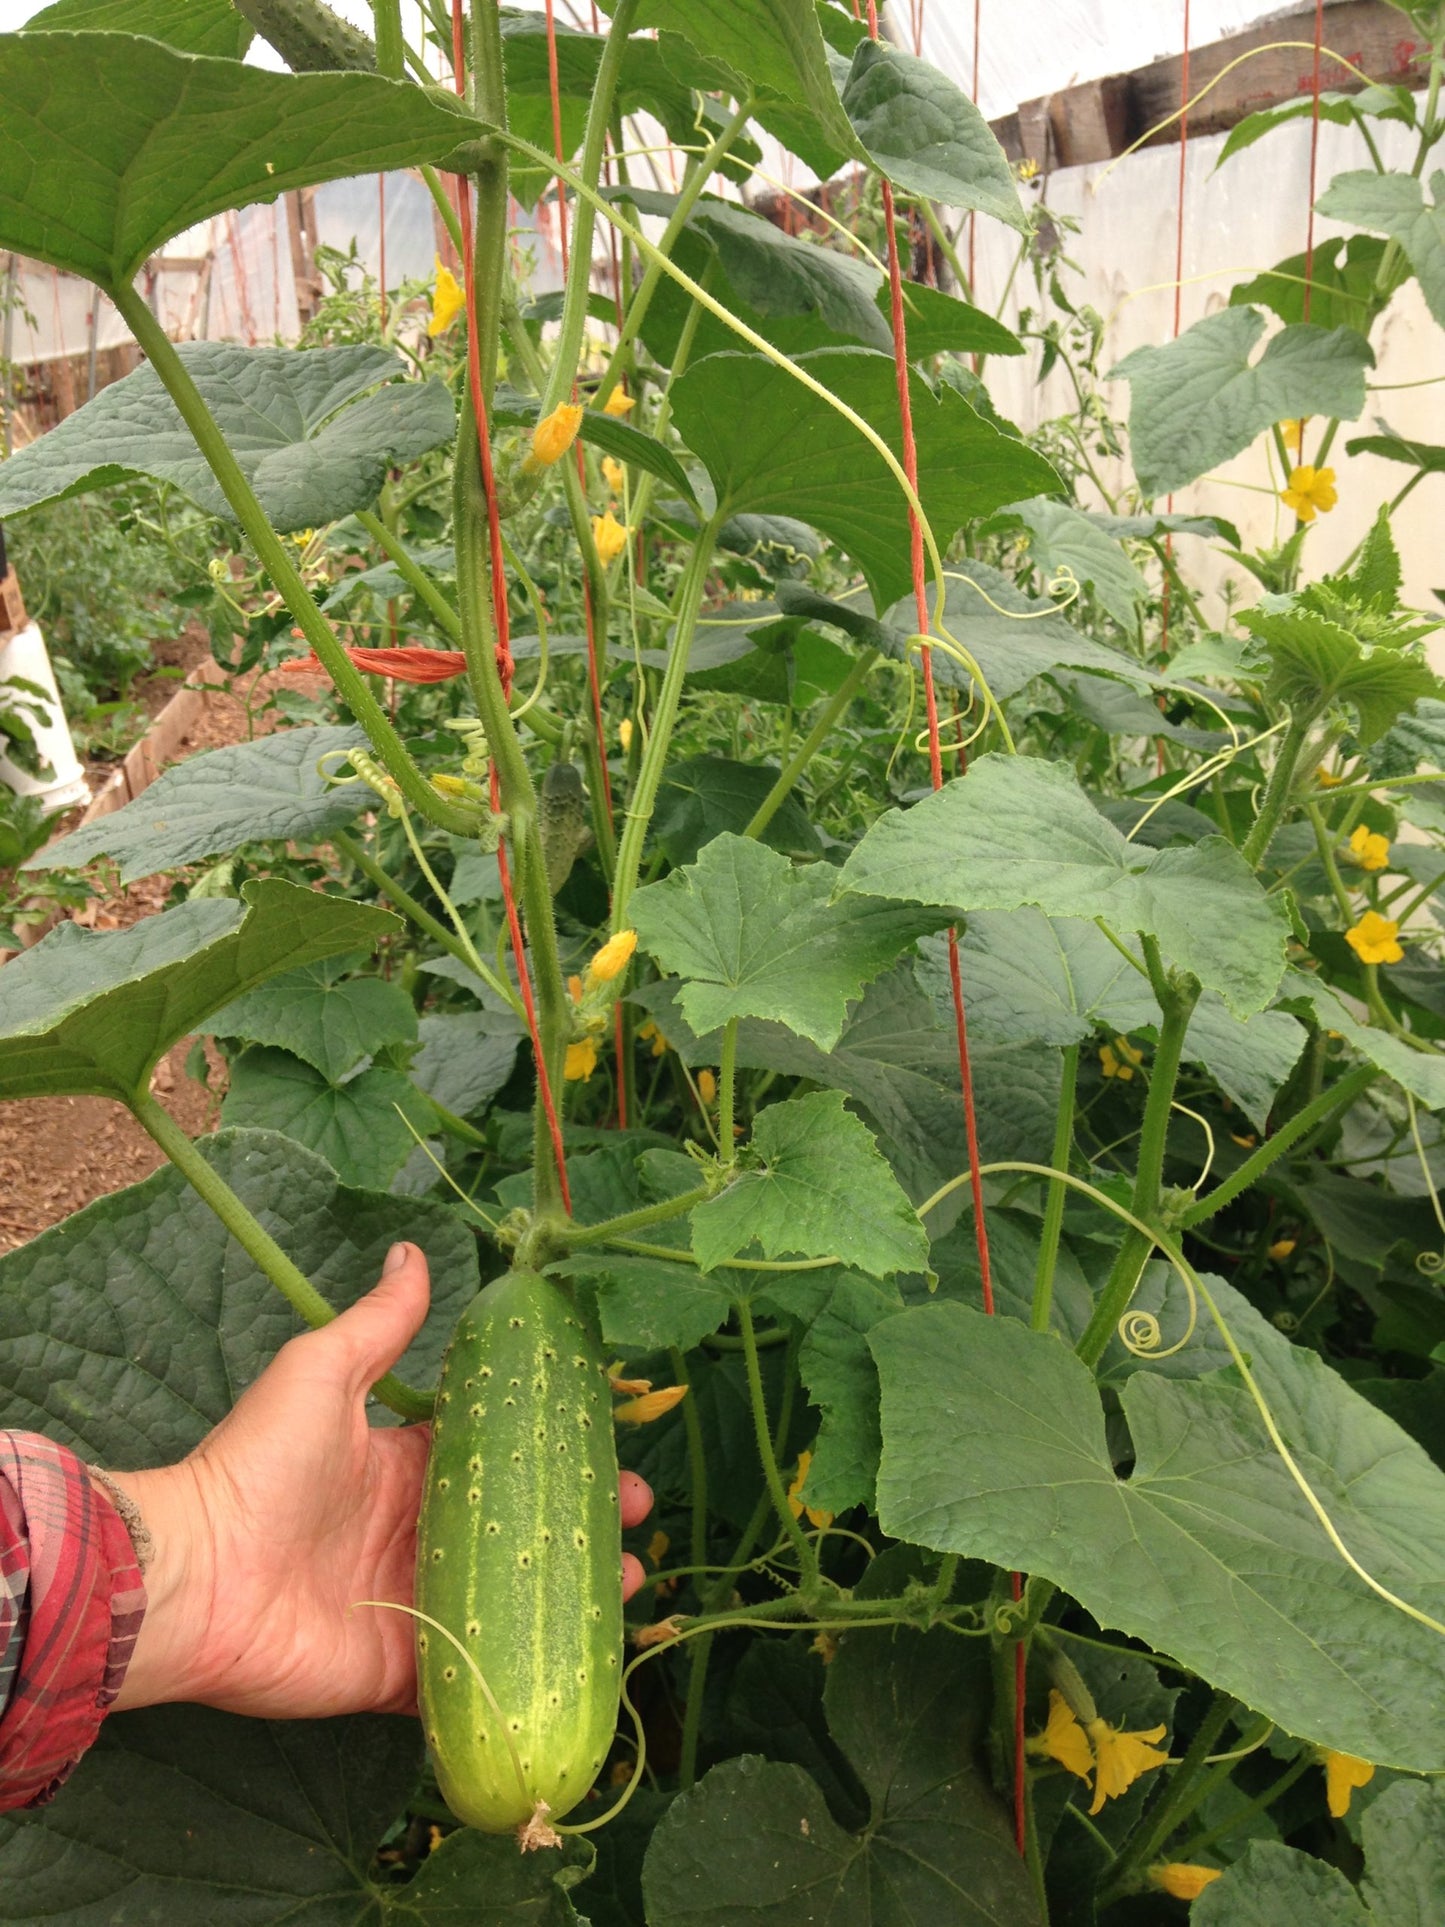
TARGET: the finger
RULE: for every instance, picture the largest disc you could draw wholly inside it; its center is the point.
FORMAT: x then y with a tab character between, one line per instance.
635	1495
369	1337
632	1574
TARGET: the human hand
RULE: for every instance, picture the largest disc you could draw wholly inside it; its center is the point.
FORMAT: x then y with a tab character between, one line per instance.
291	1514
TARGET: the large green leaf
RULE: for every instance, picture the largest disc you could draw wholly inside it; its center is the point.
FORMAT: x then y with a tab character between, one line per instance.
267	791
466	1056
110	144
1342	275
753	936
129	1330
755	1845
1199	400
771	445
1422	1073
86	1012
922	131
314	432
1272	1885
1062	538
191	26
813	1184
356	1123
318	1013
994	1446
702	797
1395	205
776	44
1314	662
1019	831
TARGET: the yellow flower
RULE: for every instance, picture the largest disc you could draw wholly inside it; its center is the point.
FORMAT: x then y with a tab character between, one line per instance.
614	474
796	1505
574	988
1282	1248
619	404
613	958
1343	1773
554	435
1120	1059
447	301
446	785
581	1060
1311	491
649	1030
1181	1880
706	1086
657	1547
1063	1738
1371	850
1121	1759
651	1405
610	536
1293	433
1374	939
1327	779
624	734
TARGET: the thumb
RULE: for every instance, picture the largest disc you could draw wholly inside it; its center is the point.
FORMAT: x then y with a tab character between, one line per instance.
369	1337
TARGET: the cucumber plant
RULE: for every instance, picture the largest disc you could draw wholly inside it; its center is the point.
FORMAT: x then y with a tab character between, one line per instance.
941	1014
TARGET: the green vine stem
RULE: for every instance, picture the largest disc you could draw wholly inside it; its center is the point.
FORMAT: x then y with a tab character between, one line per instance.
1175	1802
1277	792
390	55
727	1092
697	1474
356	853
414	576
1057	1196
258	1244
1177	994
574	1235
1198	1843
802	1544
350	683
805	752
1329	1103
685	609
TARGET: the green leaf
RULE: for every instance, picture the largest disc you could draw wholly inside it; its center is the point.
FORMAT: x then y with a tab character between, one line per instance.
778	275
940	324
1061	537
1314	662
754	1843
330	1020
191	26
1395	205
466	1057
776	44
770	445
814	1184
1391	446
1341	278
314	432
128	1330
927	136
753	936
994	1446
1422	1073
211	804
1384	103
1018	831
86	1012
647	1304
1199	400
110	145
355	1125
702	797
1404	1839
1272	1885
521	1889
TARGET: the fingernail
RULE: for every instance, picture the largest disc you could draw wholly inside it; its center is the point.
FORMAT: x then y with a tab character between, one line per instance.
395	1259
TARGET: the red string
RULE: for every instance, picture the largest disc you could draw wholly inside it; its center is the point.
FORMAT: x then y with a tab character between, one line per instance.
504	645
1314	157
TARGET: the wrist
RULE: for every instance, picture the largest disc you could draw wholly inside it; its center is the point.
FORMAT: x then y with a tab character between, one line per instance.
169	1658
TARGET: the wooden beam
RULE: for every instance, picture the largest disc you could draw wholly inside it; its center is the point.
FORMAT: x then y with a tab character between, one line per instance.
1098	120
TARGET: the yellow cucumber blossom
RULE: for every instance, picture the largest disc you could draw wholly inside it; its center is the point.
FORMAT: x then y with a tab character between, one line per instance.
581	1060
650	1406
613	958
1063	1739
619	404
1115	1760
624	734
614	474
706	1087
1282	1248
610	536
1327	779
553	436
649	1033
1120	1059
1371	850
1293	433
447	300
1375	939
1343	1773
1311	491
1181	1880
797	1505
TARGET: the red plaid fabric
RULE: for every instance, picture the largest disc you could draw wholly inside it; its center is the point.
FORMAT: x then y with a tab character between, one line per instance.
71	1604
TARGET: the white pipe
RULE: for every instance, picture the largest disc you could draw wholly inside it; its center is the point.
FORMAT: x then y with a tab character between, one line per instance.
24	656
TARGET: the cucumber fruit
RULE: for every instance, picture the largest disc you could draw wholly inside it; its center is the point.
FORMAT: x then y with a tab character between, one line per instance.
519	1556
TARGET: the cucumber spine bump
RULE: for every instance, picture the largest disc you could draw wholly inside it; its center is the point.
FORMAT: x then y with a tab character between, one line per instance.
519	1553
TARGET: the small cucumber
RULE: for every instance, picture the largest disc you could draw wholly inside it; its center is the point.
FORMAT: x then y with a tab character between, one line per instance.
519	1557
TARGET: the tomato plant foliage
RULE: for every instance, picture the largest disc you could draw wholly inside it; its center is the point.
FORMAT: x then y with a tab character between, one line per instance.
829	895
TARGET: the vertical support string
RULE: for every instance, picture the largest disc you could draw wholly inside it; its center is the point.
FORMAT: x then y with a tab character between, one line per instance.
503	627
1314	157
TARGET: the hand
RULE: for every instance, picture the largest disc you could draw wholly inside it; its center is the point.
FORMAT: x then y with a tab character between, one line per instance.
292	1513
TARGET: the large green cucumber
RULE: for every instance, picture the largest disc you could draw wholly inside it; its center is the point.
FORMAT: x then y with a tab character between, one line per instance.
519	1556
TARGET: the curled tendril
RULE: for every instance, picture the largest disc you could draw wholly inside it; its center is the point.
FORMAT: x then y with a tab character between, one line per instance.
1141	1334
477	757
1430	1263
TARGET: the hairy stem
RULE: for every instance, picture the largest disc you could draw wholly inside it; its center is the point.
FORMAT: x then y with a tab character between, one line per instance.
1175	1801
411	573
802	1544
1277	793
1057	1194
811	743
1329	1104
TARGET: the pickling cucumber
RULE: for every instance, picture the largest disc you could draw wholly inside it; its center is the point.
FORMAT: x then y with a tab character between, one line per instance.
519	1557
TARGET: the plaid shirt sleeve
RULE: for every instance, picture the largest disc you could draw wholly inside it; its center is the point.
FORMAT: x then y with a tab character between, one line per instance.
71	1604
